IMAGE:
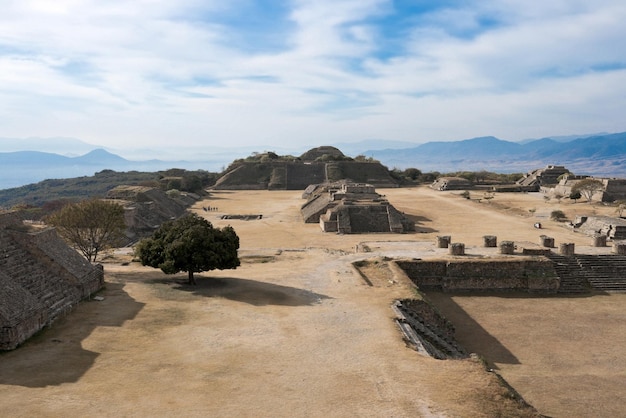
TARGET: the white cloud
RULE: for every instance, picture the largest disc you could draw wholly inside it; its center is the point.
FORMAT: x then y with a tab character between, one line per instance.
152	71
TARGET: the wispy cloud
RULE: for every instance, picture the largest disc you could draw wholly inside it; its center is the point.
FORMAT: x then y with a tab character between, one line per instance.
303	73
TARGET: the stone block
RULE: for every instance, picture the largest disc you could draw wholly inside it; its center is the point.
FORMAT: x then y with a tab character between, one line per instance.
507	247
490	241
547	241
567	249
443	241
457	248
599	241
619	247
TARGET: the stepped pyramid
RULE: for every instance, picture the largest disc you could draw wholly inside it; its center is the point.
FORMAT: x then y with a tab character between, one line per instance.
41	277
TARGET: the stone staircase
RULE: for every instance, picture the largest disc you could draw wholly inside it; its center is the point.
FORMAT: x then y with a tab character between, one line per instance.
426	336
606	273
52	291
585	273
570	274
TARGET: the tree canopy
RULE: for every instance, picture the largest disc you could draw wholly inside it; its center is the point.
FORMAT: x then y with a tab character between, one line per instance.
588	188
190	244
91	226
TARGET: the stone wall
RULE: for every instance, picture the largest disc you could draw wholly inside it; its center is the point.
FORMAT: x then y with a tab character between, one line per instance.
530	275
614	189
298	175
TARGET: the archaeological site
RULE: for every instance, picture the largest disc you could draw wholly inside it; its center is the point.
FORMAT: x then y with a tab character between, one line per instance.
482	307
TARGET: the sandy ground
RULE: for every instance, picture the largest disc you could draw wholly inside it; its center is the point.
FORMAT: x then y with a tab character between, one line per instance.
295	331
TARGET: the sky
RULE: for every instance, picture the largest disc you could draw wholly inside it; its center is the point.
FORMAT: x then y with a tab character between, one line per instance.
300	73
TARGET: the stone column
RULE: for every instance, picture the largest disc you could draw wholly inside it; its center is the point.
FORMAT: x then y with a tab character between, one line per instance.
619	247
567	249
457	248
547	241
507	247
443	241
599	240
490	241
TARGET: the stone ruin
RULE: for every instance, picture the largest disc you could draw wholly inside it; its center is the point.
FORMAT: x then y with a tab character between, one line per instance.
612	189
542	177
557	180
323	164
146	208
612	228
350	208
451	183
533	275
41	278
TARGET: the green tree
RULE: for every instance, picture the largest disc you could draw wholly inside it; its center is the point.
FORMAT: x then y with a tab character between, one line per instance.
588	188
575	195
90	226
190	244
558	215
412	173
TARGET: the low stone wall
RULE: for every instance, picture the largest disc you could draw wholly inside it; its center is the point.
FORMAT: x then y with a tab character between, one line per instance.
529	275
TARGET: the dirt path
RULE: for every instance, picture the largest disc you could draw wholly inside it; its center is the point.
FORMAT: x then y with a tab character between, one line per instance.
293	332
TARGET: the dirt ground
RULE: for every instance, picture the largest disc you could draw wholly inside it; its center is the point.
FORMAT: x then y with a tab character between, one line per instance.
295	331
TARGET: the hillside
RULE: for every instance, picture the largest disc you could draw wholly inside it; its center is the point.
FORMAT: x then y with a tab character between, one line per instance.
99	184
24	167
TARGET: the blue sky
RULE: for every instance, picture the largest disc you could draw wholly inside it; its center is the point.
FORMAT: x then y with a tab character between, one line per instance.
214	73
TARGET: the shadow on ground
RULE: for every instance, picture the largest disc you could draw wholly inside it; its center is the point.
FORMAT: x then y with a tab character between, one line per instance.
469	333
55	355
248	291
419	223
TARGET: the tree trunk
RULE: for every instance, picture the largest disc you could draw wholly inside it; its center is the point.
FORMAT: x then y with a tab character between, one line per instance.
192	280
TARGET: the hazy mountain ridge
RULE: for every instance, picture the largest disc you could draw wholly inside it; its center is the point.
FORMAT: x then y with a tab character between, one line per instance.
25	167
599	155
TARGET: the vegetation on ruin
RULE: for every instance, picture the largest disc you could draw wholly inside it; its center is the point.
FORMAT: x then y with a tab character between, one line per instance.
588	188
190	244
415	176
90	226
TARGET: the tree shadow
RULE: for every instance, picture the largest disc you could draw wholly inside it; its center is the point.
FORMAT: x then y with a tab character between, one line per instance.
419	223
55	355
248	291
469	333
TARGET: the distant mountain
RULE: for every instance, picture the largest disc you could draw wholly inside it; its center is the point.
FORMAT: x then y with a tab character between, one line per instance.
57	145
97	157
25	167
29	160
565	138
603	154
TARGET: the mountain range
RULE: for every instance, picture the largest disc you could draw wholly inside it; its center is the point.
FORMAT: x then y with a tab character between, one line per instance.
597	154
19	168
601	155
